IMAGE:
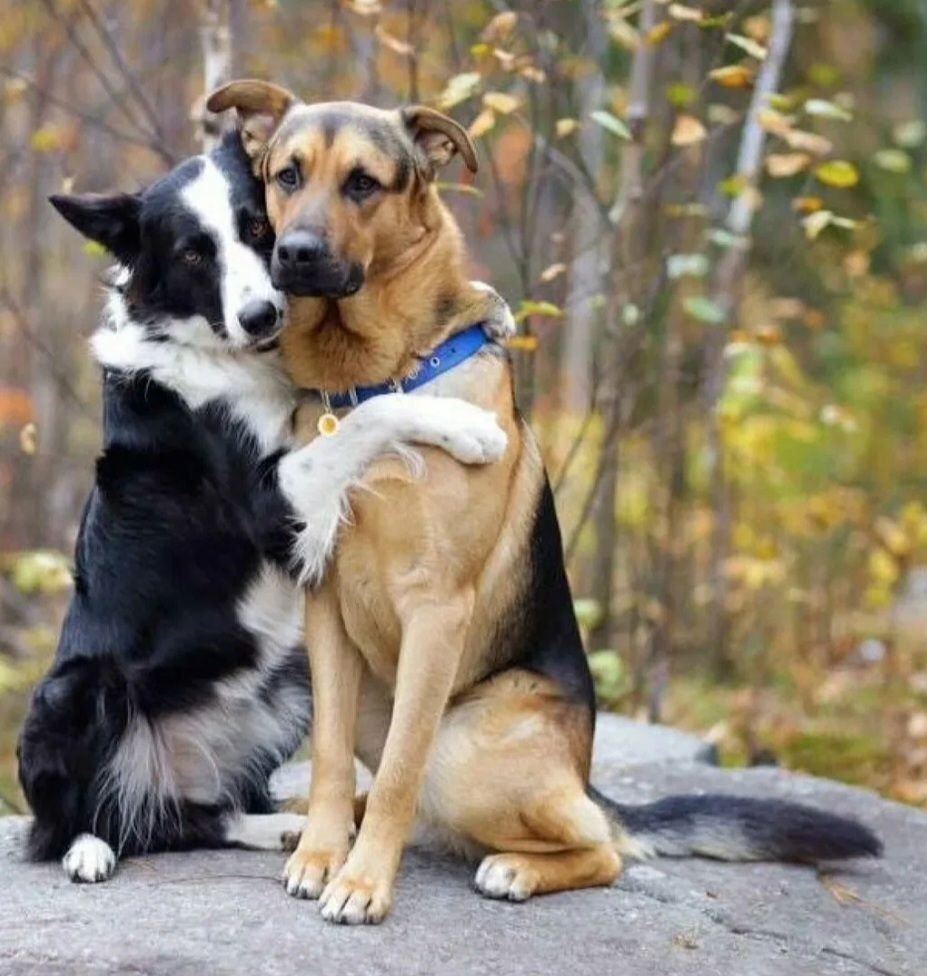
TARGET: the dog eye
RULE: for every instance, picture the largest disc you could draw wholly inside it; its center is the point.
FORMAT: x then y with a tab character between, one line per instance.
258	227
288	178
361	184
191	256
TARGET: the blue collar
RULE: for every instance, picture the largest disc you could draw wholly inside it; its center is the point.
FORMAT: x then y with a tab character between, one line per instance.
452	352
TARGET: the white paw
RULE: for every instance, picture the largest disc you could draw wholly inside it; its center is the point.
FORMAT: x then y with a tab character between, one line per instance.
500	876
500	324
468	433
89	859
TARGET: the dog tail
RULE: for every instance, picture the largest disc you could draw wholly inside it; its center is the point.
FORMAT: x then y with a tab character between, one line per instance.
736	828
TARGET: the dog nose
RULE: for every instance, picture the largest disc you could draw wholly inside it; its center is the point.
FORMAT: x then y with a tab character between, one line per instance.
258	317
301	249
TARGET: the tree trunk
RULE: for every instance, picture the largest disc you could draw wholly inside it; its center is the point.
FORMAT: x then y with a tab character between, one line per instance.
216	43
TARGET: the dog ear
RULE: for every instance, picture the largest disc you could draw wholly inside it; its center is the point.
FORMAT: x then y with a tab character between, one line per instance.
109	219
438	137
260	106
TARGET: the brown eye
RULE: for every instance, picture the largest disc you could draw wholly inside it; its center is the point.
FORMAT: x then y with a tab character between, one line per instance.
288	178
361	184
258	227
192	257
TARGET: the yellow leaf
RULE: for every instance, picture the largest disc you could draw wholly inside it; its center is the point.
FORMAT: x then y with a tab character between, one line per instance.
807	205
681	12
754	49
775	122
780	165
659	33
688	131
482	123
837	173
28	439
500	102
566	127
45	140
552	271
733	76
500	27
523	343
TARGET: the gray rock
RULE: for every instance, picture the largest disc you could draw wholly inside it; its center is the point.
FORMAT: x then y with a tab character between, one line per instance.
224	913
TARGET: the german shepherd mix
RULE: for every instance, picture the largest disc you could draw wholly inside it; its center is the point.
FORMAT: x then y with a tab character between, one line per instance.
180	680
442	641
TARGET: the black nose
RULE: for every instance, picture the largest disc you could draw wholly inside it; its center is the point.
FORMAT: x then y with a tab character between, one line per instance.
301	249
258	317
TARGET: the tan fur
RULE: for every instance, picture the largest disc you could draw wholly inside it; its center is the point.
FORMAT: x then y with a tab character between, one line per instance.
402	630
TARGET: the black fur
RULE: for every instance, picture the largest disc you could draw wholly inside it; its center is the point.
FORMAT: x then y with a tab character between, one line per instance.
184	516
740	828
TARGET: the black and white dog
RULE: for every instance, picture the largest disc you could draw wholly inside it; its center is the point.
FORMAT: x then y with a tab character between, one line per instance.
180	680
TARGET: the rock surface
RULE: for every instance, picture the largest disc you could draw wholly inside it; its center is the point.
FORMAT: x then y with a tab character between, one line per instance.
224	913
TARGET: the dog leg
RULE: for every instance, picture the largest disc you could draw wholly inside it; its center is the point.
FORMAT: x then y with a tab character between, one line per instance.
89	859
317	478
432	644
336	667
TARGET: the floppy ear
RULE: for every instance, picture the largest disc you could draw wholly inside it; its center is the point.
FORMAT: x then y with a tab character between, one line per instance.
109	219
260	105
438	138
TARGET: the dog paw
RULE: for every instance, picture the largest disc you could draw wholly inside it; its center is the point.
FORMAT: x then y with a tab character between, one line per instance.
500	323
505	876
89	860
350	900
468	433
308	871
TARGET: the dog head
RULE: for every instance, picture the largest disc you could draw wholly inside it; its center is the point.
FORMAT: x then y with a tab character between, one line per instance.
194	250
347	185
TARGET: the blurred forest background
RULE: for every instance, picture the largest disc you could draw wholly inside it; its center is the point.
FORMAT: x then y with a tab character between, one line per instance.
711	218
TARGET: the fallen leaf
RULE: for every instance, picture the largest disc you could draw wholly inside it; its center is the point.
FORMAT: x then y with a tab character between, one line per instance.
565	127
688	131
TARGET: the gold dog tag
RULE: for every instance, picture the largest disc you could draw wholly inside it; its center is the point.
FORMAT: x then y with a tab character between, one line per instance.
328	425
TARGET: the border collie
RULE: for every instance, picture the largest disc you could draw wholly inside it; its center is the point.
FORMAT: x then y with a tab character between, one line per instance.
180	680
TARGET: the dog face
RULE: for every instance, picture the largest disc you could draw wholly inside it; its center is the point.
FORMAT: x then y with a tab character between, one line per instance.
195	250
344	182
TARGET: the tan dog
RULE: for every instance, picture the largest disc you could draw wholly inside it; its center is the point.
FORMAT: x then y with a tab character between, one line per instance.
443	646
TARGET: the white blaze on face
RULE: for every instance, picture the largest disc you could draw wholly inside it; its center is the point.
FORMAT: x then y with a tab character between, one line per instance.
243	276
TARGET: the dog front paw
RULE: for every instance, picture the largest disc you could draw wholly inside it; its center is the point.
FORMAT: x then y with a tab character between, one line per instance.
499	323
309	870
352	899
468	433
89	860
